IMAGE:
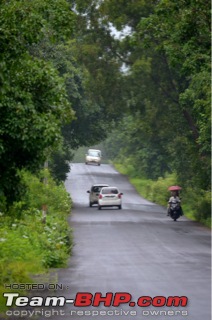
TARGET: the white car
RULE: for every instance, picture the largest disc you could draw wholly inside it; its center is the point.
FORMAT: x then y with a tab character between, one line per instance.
110	197
94	193
93	156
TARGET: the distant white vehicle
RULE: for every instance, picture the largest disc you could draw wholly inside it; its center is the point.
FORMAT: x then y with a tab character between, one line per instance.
110	197
94	193
93	156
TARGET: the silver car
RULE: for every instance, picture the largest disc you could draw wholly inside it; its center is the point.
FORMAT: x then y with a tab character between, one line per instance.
94	193
110	197
93	156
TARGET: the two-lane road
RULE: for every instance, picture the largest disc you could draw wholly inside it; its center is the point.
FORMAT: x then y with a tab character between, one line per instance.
138	250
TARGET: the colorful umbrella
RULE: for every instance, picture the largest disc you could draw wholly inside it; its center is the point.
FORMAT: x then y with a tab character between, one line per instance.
174	188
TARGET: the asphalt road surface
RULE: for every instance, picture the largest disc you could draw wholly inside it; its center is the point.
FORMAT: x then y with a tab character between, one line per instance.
137	250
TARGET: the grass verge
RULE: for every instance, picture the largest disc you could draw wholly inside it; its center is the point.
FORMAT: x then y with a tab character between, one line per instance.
196	208
30	245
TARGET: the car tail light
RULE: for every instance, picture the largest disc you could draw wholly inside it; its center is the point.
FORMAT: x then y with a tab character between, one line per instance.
119	195
100	196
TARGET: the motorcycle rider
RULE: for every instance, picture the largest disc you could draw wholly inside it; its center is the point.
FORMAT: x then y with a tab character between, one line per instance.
174	199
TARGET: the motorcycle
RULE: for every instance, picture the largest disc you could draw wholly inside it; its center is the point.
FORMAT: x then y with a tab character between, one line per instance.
175	210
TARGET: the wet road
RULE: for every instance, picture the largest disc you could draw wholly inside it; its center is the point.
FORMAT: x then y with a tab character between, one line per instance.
138	250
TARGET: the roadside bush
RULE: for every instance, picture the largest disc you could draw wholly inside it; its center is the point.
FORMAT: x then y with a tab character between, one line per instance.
197	207
52	240
202	208
42	189
125	166
28	245
18	257
155	191
160	194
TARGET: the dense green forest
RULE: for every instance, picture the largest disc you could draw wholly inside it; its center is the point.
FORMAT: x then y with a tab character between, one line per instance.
71	71
162	52
135	74
167	127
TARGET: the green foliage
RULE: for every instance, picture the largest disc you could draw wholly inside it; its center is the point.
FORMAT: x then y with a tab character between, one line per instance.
167	88
87	126
53	239
202	208
137	145
29	244
42	189
16	250
33	100
96	52
179	34
153	190
196	203
32	111
59	164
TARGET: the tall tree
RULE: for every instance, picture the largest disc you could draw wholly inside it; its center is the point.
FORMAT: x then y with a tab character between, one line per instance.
166	82
33	98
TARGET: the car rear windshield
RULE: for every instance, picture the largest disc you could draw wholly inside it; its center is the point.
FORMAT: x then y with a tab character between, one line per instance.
110	190
96	189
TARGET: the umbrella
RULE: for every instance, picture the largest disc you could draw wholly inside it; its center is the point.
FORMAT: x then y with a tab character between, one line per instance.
174	188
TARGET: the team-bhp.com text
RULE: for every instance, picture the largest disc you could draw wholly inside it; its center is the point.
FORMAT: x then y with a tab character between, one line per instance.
86	299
